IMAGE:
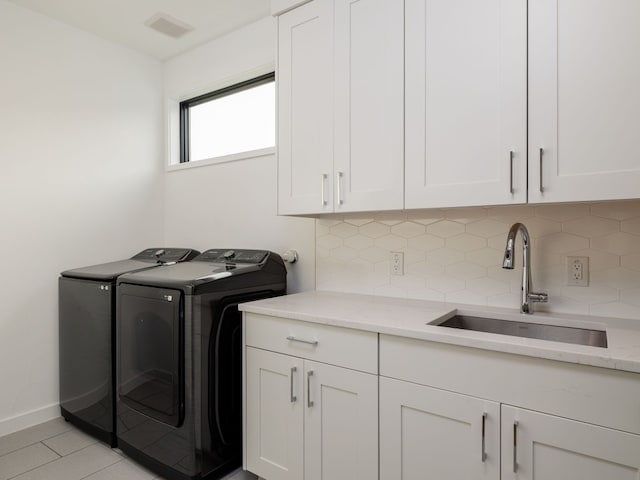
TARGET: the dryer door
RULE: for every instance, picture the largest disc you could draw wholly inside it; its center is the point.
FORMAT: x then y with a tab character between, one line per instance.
151	351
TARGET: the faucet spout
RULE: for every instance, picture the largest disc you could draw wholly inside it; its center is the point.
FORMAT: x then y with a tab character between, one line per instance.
508	262
527	296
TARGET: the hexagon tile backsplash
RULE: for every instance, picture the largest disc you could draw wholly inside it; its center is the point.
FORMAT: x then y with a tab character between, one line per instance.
456	254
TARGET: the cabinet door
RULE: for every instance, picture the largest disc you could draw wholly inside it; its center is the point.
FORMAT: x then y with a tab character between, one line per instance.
584	100
305	112
430	433
274	422
341	423
465	102
369	105
545	447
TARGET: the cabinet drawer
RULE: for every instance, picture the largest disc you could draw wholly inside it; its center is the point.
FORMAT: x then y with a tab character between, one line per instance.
343	347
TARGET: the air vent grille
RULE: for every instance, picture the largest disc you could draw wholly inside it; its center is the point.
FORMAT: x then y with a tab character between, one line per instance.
171	26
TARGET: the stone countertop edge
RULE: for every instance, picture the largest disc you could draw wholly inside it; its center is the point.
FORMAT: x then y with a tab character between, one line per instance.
411	318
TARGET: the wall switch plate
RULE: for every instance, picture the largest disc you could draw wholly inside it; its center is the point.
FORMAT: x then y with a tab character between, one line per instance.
397	263
578	271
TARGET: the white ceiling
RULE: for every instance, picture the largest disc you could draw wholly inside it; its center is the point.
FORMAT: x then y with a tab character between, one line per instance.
122	21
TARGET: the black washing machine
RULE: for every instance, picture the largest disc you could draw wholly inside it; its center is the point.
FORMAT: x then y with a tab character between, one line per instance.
86	316
179	378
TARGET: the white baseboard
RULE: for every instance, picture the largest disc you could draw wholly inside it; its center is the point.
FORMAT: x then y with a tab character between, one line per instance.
28	419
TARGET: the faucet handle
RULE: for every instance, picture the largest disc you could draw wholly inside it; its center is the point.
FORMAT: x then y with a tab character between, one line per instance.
538	297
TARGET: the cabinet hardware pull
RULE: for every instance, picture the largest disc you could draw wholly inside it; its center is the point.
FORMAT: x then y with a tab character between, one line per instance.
541	154
309	401
511	172
308	342
484	453
338	187
322	182
515	446
292	396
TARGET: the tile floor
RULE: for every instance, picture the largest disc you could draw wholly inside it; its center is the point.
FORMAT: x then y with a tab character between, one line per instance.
56	450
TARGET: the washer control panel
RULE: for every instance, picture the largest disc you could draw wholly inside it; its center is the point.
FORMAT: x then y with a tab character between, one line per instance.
164	255
232	256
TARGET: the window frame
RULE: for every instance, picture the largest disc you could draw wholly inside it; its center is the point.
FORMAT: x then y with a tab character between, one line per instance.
185	105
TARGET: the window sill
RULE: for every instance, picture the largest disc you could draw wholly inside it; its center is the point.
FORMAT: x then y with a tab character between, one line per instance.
262	152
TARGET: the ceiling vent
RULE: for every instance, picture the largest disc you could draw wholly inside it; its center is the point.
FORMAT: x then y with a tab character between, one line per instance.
164	23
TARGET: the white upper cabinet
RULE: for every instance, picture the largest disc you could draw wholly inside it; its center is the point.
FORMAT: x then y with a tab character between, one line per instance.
584	100
465	102
369	113
391	104
305	108
340	107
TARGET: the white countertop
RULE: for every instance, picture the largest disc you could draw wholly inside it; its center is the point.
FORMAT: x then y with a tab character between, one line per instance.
410	318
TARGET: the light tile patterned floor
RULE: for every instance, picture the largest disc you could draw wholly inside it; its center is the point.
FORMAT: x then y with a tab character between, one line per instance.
56	450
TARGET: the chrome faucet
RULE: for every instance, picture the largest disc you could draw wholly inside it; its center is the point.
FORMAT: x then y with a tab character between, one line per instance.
527	296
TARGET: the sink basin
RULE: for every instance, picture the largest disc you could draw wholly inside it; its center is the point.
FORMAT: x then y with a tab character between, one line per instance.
554	333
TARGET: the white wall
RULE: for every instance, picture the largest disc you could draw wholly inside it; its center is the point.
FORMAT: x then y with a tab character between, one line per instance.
80	183
232	204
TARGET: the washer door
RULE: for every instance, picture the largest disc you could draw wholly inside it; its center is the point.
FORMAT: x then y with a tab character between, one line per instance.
151	351
85	329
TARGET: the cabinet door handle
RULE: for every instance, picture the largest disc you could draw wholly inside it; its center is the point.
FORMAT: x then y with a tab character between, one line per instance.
515	446
291	338
292	396
338	187
322	182
541	154
484	452
511	172
309	401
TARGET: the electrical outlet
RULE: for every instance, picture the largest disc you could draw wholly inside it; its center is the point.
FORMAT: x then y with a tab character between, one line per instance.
397	263
578	271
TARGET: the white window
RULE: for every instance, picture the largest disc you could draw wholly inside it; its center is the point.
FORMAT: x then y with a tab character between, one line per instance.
236	119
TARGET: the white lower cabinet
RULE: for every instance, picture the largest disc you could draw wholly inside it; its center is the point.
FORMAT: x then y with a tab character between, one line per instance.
341	423
536	446
445	414
431	433
306	419
332	403
274	433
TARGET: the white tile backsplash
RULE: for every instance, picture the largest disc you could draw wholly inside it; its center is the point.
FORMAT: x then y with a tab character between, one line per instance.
456	255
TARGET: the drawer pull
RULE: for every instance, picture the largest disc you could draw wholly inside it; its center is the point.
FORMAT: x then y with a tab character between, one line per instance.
339	187
540	187
511	172
300	340
322	182
309	401
515	447
484	453
292	396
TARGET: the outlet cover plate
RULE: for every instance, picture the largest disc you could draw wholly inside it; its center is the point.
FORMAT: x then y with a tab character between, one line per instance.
578	271
397	263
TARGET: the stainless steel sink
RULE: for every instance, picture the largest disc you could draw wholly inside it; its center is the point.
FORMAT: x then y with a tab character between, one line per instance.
554	333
